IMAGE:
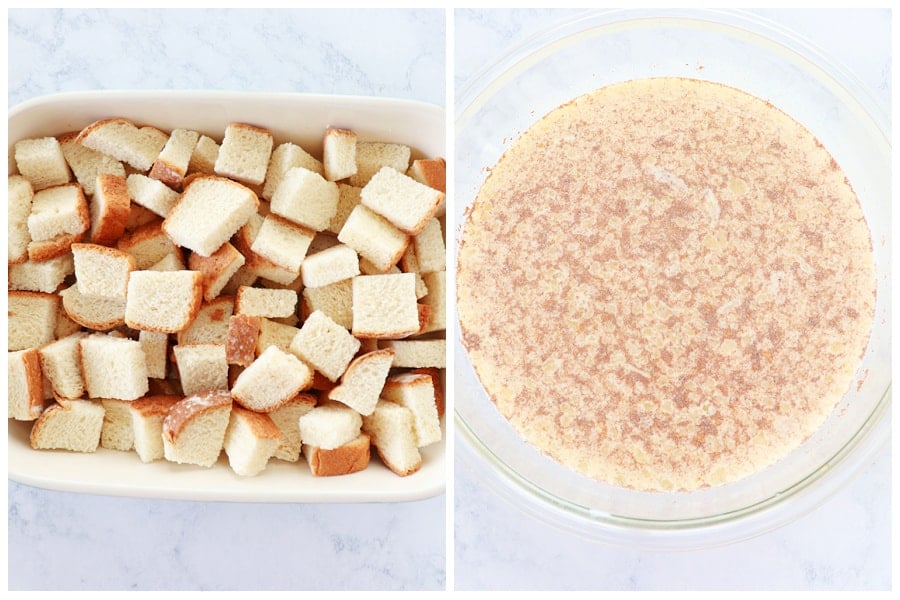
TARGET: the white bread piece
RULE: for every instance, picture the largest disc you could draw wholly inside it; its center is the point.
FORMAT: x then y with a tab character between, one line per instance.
408	264
18	207
170	262
352	457
362	382
284	158
210	211
138	216
255	266
57	211
373	237
339	153
24	385
204	155
415	354
113	367
329	426
102	271
193	430
430	171
251	439
244	153
325	345
384	306
436	301
217	268
335	300
152	194
73	425
87	165
148	244
93	312
306	198
263	302
64	325
171	165
437	381
155	345
166	301
241	340
147	415
31	319
61	365
43	276
282	242
272	379
117	432
124	141
348	199
431	253
402	200
110	208
201	367
391	427
371	157
53	248
210	326
329	266
287	418
416	392
273	333
41	161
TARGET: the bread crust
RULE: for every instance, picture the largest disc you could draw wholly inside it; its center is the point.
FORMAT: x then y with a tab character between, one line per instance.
154	406
352	457
109	221
240	345
183	412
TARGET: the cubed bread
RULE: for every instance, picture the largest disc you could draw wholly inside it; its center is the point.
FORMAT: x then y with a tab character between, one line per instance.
110	208
203	158
334	264
210	211
217	268
416	392
102	271
193	430
339	153
371	157
263	302
152	194
306	198
113	367
43	276
41	161
244	153
438	383
171	165
53	248
58	211
61	365
282	242
240	344
87	164
24	385
201	367
431	254
373	237
93	312
285	157
348	199
170	262
147	416
362	382
256	265
391	427
165	301
251	439
335	300
351	457
273	333
414	354
148	244
400	199
117	432
272	379
325	345
384	306
73	425
18	207
155	345
210	326
435	300
124	141
430	171
31	319
329	426
287	418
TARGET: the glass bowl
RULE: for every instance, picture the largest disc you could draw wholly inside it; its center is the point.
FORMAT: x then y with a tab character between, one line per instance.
601	48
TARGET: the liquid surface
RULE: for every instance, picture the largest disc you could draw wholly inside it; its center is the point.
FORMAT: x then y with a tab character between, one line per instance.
666	284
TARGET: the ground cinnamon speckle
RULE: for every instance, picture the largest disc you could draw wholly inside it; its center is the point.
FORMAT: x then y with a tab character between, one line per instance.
666	284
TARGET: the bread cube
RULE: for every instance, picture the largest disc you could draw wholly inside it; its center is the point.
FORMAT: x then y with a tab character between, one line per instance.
373	237
204	155
31	319
431	172
330	266
351	457
325	345
57	211
210	326
339	153
110	208
306	198
201	367
113	367
171	165
402	200
41	162
240	344
329	425
272	379
361	384
273	333
152	194
87	165
148	244
348	199
73	425
244	153
282	242
193	430
43	276
429	246
24	385
94	312
117	432
435	300
416	392
384	306
287	417
335	300
165	301
392	429
284	158
371	157
251	439
18	207
147	416
124	141
102	271
415	354
262	302
155	345
61	365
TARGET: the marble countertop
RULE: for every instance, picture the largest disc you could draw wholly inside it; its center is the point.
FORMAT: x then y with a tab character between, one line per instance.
845	544
62	541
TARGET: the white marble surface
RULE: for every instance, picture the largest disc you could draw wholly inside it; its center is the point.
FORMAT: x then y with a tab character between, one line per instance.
843	545
73	541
